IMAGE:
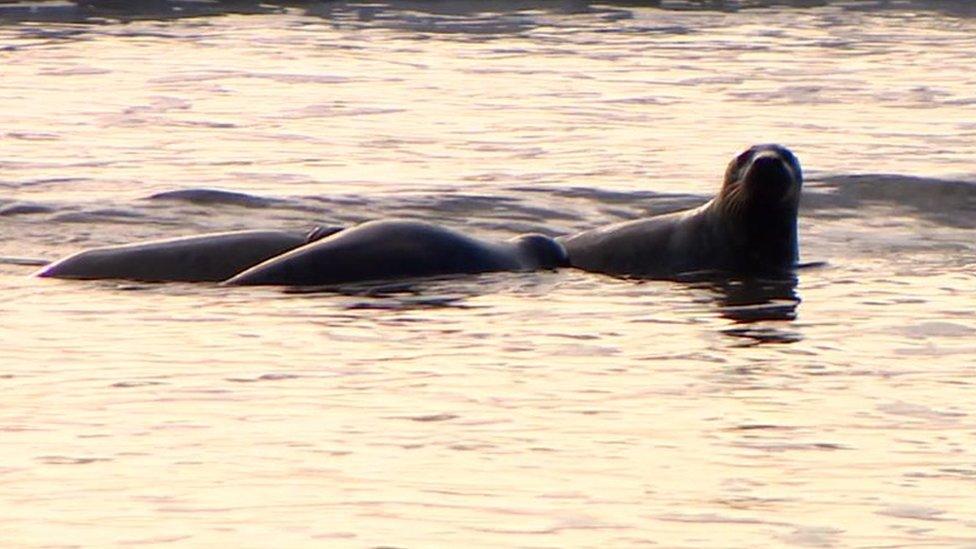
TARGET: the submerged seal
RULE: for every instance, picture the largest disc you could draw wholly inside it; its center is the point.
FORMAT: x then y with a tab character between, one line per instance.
203	258
748	228
391	249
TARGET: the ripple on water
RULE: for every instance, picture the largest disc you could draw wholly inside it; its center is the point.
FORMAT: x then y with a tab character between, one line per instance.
560	409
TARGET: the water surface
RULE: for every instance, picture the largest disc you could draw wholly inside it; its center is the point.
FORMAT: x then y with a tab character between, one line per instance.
538	410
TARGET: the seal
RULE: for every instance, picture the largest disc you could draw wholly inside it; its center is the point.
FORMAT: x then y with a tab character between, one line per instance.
395	249
201	258
749	227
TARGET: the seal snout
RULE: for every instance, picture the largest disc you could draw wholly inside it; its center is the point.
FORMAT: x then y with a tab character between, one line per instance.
770	166
771	175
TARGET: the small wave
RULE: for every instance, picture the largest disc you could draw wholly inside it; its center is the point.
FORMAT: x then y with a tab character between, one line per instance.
112	215
24	261
910	511
40	182
946	202
24	208
431	16
33	136
285	78
216	197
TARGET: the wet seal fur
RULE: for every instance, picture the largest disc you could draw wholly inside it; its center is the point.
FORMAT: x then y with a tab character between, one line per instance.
202	258
749	228
395	249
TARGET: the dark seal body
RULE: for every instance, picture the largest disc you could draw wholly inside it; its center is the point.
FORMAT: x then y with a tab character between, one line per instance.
750	227
204	258
394	249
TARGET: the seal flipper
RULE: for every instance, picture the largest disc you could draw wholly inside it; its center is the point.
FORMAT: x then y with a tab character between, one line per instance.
321	231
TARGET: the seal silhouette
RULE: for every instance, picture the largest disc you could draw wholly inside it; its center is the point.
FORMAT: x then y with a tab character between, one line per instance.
393	249
202	258
749	227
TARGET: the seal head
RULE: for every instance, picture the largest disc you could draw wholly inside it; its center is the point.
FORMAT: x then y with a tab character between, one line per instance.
759	201
541	252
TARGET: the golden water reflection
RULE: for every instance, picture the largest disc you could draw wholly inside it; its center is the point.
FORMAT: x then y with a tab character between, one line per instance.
555	409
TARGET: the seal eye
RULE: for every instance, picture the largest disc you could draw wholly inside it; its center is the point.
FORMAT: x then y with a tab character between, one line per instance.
738	165
744	155
790	159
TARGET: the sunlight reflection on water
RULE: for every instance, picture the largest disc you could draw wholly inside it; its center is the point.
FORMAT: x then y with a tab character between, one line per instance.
562	408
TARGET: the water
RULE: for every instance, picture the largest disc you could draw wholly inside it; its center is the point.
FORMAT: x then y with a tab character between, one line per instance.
537	410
